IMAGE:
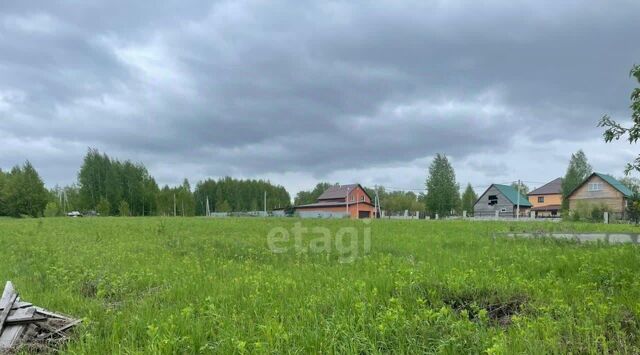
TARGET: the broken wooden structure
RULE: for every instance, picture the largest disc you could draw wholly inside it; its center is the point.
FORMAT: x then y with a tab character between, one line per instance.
24	325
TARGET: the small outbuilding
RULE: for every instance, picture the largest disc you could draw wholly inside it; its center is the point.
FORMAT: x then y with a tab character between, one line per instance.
504	200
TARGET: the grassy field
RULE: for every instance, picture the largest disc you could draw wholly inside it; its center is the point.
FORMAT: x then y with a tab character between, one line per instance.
195	285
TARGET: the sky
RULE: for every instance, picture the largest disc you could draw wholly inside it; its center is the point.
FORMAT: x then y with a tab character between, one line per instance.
300	92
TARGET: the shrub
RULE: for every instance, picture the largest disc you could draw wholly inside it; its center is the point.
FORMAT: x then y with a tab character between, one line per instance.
52	210
123	208
104	208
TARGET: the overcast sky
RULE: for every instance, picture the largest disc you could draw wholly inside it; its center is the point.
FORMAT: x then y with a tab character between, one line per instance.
306	91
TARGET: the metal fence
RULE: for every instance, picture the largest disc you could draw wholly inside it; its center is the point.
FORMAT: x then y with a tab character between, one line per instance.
321	214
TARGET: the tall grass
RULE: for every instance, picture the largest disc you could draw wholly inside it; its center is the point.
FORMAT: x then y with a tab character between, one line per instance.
195	285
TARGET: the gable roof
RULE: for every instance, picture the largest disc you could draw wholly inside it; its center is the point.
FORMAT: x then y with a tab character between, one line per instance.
609	180
550	188
512	195
340	191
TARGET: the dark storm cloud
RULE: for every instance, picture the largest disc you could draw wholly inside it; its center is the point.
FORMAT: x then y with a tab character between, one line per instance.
255	88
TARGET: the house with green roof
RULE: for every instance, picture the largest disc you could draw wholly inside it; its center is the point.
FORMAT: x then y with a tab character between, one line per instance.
601	190
503	201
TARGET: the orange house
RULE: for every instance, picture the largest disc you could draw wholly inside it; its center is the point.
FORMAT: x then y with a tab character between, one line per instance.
338	201
547	199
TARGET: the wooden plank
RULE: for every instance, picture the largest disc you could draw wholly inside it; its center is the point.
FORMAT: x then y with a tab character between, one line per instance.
12	333
14	320
51	314
5	313
18	305
9	290
69	326
27	315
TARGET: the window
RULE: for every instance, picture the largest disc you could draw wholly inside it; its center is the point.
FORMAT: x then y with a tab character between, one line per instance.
493	200
540	199
353	198
362	198
595	186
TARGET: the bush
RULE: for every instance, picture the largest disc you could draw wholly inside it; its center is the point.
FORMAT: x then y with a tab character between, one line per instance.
52	210
124	209
588	212
104	208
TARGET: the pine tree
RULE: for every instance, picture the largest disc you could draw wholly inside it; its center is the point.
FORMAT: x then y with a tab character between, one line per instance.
469	198
578	170
443	195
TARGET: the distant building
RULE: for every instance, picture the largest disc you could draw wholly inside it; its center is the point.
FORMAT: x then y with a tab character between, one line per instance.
501	199
601	190
340	201
547	199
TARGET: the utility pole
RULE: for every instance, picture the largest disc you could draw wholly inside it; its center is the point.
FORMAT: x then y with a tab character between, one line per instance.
518	203
378	208
357	206
347	199
265	203
208	210
174	206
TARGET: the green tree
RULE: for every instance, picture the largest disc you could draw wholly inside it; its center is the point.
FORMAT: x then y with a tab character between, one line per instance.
469	198
3	201
524	189
631	182
24	192
123	209
305	197
615	131
224	207
443	195
633	208
102	177
104	207
578	170
52	210
241	195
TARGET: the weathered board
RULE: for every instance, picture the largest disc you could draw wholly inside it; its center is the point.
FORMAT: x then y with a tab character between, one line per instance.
21	323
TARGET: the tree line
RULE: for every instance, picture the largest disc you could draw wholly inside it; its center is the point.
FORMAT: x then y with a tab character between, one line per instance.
110	187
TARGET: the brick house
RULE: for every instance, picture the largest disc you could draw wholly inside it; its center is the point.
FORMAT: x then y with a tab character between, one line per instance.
340	200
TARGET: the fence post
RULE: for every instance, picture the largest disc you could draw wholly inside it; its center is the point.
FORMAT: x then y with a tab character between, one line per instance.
533	214
464	214
436	216
606	218
417	214
497	214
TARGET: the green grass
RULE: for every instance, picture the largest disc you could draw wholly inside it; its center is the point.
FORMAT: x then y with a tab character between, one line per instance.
195	285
